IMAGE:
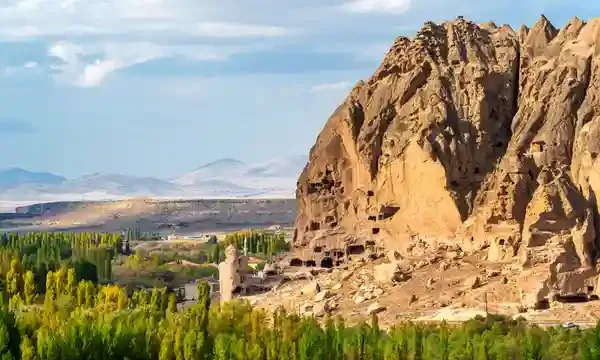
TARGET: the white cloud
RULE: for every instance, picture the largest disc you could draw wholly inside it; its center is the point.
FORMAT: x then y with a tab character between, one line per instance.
43	18
112	57
387	6
94	74
122	33
237	30
28	5
342	85
65	51
28	66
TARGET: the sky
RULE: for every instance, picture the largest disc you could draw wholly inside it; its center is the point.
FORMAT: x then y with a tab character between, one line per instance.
160	87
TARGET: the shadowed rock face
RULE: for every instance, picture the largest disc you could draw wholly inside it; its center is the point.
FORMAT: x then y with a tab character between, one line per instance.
473	135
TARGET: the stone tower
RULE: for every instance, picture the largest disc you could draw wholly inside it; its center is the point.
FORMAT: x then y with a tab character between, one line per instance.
229	275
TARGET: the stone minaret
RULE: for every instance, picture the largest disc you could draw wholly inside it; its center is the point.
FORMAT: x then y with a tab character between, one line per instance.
229	274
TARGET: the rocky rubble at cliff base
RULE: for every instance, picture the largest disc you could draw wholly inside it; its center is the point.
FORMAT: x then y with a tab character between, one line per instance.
473	136
442	289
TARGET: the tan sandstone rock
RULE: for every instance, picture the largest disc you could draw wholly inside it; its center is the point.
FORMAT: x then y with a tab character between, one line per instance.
394	256
473	282
375	308
325	294
444	266
387	273
472	135
320	309
311	289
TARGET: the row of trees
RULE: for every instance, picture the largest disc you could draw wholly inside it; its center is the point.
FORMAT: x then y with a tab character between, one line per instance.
89	254
101	322
32	241
136	234
262	243
74	318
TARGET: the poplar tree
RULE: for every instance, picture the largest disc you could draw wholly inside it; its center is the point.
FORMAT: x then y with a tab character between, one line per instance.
29	288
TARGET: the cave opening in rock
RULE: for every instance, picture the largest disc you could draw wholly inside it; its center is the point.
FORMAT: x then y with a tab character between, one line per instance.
375	231
590	288
338	254
355	250
237	290
327	263
576	298
370	243
296	262
370	193
501	242
538	146
387	211
310	263
542	305
314	226
372	218
312	188
318	249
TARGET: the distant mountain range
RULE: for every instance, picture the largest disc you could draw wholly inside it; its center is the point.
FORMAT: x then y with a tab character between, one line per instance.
228	178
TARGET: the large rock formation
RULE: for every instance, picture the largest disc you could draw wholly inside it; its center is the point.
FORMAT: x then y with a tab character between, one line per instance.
471	135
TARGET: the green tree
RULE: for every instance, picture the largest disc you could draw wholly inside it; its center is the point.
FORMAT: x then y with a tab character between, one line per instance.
71	282
166	349
190	350
14	278
172	307
27	349
29	288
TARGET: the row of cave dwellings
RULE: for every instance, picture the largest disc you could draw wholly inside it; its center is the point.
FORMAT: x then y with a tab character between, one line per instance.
339	255
328	258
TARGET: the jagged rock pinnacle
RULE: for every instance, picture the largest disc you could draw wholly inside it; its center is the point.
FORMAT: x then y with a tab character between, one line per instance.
447	141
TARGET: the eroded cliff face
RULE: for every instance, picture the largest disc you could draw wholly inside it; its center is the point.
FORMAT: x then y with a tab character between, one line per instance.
470	135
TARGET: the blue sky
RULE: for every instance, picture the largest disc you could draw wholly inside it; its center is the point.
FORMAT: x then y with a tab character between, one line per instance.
159	87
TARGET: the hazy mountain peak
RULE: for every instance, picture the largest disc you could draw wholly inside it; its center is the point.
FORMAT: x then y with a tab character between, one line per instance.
15	176
226	177
222	162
